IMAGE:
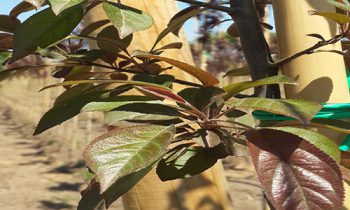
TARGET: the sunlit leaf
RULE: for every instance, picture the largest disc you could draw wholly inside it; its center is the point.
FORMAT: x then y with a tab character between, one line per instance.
59	6
37	3
320	141
43	29
336	125
125	150
294	173
301	110
126	19
243	71
235	88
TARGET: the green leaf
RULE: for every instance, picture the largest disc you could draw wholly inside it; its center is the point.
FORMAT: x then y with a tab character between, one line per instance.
87	175
110	34
235	88
339	5
105	81
193	161
141	112
8	24
59	6
336	125
163	79
206	78
202	98
65	110
294	173
43	29
301	110
78	99
91	197
243	71
174	45
125	150
119	101
320	141
127	19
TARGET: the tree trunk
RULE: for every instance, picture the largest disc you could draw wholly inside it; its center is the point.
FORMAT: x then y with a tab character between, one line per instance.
321	76
206	191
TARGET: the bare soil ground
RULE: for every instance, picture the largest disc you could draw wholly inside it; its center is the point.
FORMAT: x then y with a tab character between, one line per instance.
31	179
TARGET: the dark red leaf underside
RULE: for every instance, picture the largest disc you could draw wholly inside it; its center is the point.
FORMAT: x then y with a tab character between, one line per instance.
295	174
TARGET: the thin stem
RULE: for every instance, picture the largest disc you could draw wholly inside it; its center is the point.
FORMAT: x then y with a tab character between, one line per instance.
307	51
209	6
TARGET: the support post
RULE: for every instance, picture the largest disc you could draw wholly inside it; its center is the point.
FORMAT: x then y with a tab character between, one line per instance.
207	191
321	76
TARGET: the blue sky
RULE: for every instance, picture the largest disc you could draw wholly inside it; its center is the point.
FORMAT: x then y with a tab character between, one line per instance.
7	5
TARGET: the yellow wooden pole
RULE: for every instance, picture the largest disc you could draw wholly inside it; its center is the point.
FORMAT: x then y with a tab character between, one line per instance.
206	191
321	76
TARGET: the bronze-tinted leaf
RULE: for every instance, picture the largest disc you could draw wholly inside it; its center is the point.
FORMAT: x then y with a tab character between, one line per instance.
206	78
162	93
294	173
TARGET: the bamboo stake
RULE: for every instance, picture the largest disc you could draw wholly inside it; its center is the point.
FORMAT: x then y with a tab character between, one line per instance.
321	76
206	191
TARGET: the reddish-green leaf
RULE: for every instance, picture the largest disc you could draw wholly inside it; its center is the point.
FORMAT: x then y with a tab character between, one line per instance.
301	110
8	24
93	26
125	150
162	93
294	173
206	78
20	8
320	141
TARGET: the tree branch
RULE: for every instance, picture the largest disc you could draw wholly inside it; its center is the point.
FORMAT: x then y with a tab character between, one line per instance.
307	51
209	6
